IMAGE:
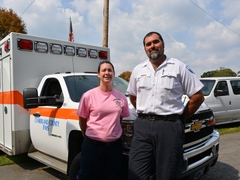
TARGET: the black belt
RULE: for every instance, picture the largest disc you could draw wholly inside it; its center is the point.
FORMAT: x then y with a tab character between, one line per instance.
116	143
153	117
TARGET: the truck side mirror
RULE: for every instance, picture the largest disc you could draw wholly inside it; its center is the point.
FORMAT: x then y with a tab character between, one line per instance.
30	98
60	98
220	93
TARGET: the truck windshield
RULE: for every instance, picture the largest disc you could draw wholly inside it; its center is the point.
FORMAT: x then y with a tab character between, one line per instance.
208	85
79	84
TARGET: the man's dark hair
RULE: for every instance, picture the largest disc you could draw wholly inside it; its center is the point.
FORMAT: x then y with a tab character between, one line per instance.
107	62
150	33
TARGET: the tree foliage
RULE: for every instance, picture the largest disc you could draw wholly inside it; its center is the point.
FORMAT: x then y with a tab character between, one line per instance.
10	22
222	72
208	74
125	75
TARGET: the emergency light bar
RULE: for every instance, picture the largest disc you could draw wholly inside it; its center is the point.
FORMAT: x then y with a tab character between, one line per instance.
92	53
42	47
24	44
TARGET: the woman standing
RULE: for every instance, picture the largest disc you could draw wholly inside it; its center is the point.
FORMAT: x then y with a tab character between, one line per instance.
100	112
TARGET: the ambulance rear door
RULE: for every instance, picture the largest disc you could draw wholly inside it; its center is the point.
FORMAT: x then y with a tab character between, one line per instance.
6	106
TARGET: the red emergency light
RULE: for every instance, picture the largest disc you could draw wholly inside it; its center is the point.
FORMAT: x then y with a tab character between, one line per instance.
24	44
7	46
103	55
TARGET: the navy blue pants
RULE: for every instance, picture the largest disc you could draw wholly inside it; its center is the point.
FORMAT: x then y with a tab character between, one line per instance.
99	162
156	144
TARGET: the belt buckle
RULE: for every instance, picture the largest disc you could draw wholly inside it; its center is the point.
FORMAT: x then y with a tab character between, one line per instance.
152	117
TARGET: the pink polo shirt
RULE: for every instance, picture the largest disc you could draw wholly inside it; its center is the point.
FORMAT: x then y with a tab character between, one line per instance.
103	111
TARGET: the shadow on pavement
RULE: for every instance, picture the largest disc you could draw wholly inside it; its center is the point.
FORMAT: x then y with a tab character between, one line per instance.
221	171
37	166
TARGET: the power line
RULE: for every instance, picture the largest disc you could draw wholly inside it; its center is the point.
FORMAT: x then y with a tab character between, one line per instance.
215	18
27	7
16	20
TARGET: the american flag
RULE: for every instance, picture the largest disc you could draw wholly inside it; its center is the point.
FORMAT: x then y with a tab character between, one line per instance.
71	36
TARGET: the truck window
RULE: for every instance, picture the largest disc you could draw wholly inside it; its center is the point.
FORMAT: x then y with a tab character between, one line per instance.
121	85
235	84
51	88
221	89
77	85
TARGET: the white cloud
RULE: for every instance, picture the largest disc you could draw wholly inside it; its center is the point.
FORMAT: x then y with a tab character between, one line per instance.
203	34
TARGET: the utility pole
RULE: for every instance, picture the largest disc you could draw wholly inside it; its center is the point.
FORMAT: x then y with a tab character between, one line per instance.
105	23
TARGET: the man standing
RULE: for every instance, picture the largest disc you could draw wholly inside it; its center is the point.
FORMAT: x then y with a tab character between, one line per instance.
156	87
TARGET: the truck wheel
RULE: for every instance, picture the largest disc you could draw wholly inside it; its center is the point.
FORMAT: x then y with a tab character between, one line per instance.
75	167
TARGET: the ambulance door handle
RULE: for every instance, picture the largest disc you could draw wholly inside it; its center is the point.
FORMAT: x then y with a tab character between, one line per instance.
5	109
37	114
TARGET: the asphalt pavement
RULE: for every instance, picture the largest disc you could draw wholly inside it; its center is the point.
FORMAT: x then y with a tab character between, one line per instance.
228	164
226	168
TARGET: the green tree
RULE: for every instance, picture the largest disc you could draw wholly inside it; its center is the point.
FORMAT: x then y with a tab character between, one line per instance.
208	74
225	72
125	75
10	22
222	72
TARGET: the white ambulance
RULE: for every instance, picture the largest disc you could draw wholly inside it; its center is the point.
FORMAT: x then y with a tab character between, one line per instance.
41	83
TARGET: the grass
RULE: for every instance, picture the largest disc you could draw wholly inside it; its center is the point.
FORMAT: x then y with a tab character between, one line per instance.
228	128
18	159
23	158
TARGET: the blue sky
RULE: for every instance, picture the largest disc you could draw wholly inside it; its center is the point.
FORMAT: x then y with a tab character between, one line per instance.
203	34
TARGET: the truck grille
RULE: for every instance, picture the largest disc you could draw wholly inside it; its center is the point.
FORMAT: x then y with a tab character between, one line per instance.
200	116
200	156
205	131
194	136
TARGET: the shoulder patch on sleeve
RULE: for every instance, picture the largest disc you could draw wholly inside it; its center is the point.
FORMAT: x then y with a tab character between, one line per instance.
188	68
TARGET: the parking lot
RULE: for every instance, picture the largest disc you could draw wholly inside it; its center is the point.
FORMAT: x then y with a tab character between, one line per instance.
227	167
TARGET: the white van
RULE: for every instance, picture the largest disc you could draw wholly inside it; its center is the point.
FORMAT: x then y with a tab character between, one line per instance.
222	95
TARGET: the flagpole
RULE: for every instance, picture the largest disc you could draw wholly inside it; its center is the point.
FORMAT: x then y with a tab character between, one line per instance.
105	23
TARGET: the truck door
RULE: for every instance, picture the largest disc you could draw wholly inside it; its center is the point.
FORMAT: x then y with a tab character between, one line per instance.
47	124
6	106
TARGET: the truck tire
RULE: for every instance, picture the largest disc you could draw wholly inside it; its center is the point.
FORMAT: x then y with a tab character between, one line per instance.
75	167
